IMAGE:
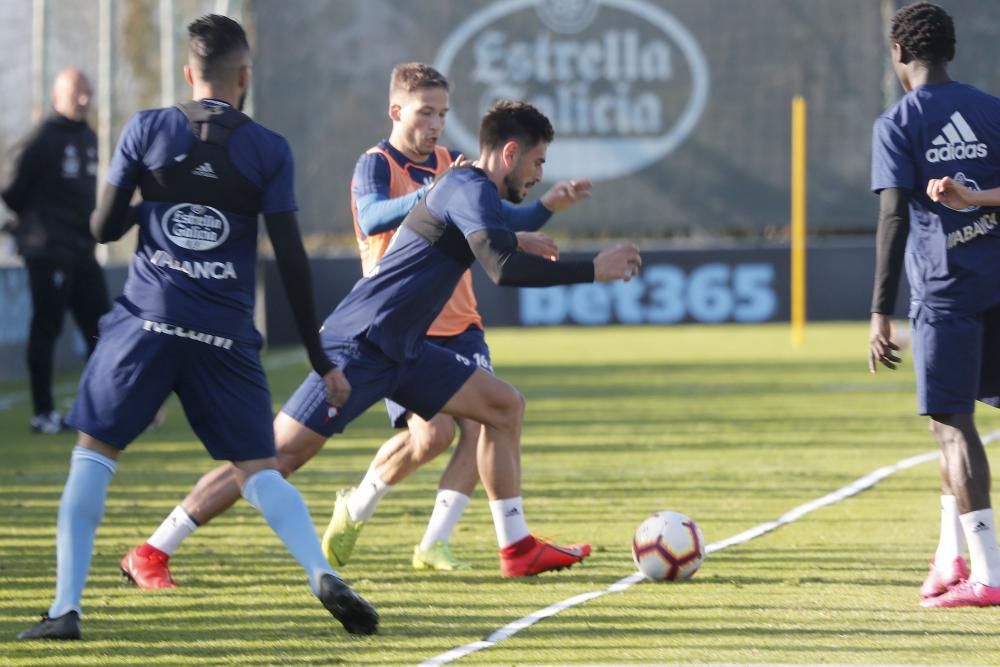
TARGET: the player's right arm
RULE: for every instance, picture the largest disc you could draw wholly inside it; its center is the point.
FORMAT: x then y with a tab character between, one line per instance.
480	216
893	179
890	249
377	211
114	214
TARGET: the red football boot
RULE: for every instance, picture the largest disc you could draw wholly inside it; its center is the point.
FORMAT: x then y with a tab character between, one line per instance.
531	556
938	582
146	567
966	594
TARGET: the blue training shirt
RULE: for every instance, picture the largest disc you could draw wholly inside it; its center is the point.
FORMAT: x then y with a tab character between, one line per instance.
379	212
194	266
394	305
952	257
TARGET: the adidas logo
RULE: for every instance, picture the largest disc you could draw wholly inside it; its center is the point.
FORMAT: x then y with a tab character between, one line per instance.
956	141
980	527
204	169
513	511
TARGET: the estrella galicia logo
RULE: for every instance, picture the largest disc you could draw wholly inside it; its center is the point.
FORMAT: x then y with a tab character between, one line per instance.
195	227
623	81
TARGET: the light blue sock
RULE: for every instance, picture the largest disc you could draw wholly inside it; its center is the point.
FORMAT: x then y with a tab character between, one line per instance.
80	512
286	512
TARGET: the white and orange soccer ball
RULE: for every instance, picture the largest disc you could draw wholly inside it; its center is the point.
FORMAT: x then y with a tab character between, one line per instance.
668	546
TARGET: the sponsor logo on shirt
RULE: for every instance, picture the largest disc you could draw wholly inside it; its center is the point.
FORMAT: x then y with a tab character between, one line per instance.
210	270
956	141
181	332
195	227
981	227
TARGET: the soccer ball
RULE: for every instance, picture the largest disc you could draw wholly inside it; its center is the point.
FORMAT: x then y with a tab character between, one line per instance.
668	546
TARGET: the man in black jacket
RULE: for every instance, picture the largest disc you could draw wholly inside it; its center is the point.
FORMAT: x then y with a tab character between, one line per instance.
53	193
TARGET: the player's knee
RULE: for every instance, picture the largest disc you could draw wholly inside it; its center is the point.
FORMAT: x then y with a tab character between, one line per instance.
510	405
434	438
945	431
289	462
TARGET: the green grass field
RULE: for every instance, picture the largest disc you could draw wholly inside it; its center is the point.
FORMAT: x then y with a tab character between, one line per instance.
728	424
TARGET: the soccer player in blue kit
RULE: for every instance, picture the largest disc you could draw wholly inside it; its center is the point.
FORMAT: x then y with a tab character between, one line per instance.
377	333
944	135
185	320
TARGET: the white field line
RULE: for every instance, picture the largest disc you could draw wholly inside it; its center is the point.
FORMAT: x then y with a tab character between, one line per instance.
794	514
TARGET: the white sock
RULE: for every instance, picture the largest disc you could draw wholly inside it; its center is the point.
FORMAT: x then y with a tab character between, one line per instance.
951	544
981	534
448	510
174	529
509	521
364	499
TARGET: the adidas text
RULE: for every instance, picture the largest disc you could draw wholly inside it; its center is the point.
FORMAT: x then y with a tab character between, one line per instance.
956	152
956	141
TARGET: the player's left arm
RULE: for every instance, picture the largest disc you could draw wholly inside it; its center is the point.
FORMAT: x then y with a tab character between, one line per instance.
280	219
951	193
560	196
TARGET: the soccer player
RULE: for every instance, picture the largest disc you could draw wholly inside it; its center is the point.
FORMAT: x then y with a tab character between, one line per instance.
377	333
941	133
389	179
185	320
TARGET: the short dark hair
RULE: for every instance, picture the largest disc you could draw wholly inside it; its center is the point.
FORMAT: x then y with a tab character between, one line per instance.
218	45
514	121
407	78
926	31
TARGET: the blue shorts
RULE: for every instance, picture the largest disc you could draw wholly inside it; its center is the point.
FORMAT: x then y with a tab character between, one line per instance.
470	344
423	384
957	362
137	363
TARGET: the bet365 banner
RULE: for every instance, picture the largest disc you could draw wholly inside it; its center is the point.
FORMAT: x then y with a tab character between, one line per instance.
711	286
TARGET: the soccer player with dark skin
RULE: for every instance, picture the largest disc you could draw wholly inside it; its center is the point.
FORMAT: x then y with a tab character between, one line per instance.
377	334
184	323
931	151
389	180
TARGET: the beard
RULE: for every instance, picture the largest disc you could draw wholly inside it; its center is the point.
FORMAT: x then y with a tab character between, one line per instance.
514	195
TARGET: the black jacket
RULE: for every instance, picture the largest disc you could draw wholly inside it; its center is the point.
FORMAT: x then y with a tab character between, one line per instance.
54	190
